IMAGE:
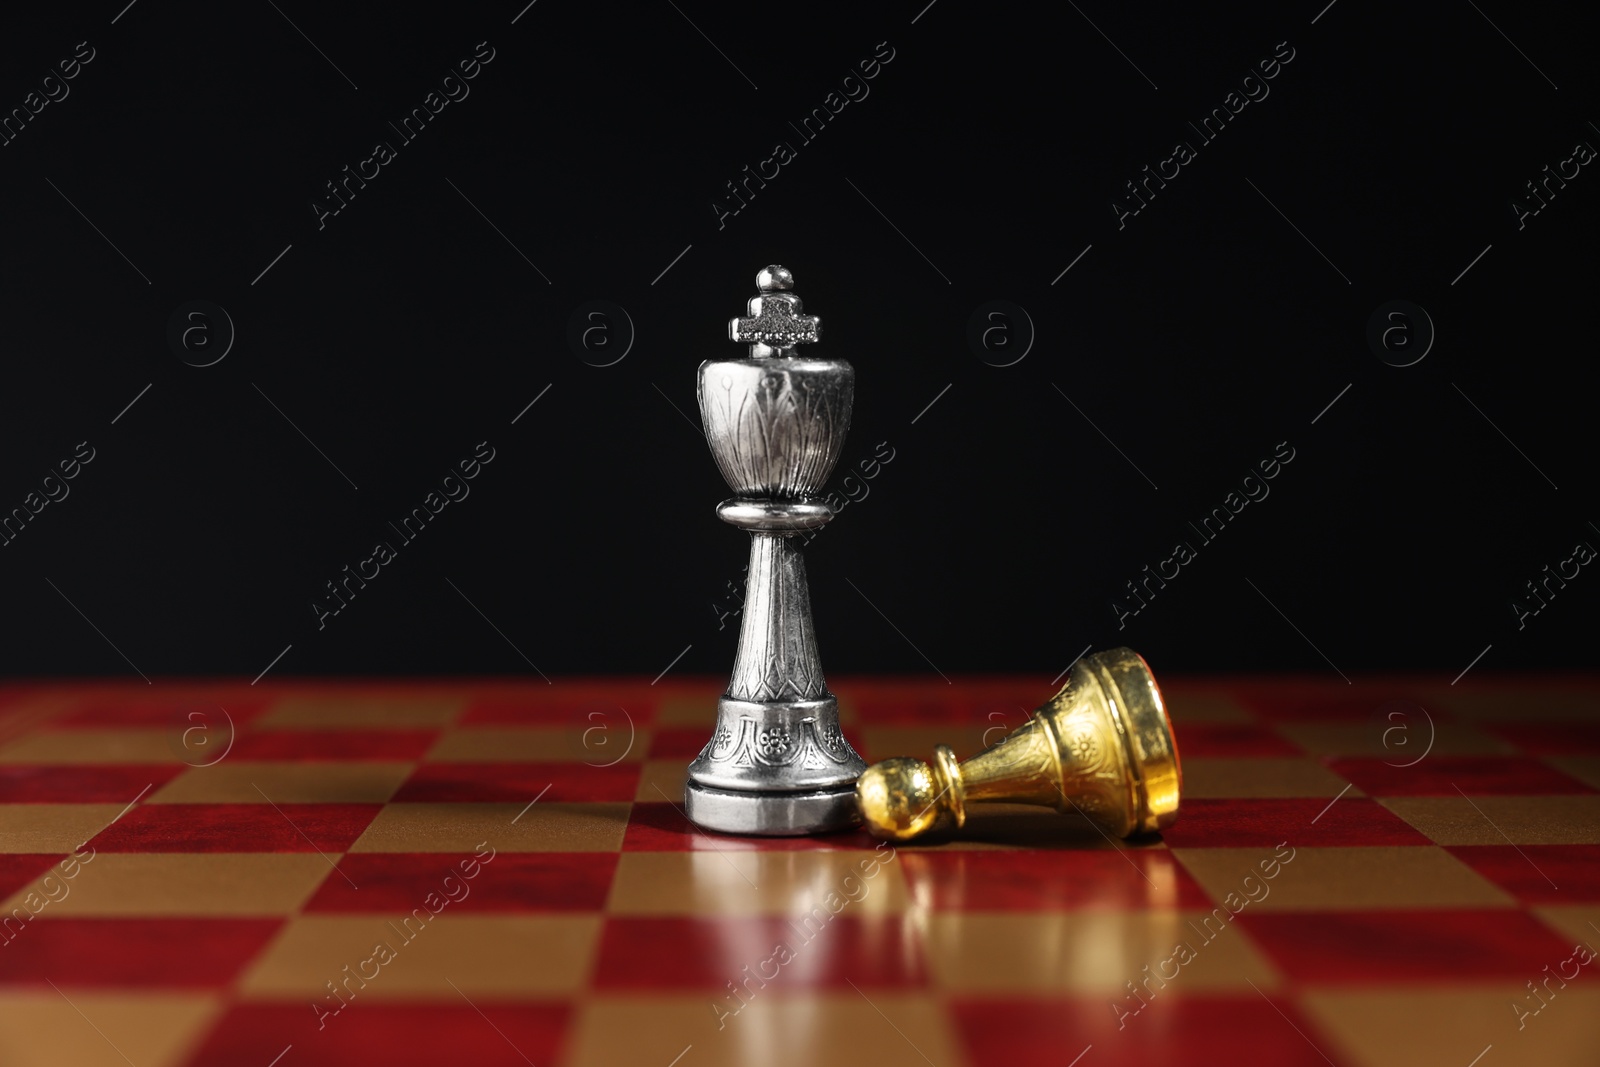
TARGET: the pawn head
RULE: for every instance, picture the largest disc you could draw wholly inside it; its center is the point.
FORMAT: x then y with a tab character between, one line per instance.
899	799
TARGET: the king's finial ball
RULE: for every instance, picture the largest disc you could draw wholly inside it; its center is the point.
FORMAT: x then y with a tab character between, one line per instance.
898	799
774	279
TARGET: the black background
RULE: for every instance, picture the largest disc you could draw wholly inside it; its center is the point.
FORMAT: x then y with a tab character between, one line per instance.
407	329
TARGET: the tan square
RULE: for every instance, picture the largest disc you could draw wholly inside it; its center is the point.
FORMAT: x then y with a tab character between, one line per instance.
1580	922
540	827
146	884
28	715
662	780
52	827
1401	741
92	746
1585	769
241	782
1183	707
372	713
689	711
727	882
492	956
1546	820
1289	777
1346	878
532	744
849	713
1406	1026
776	1029
1521	703
46	1029
1079	952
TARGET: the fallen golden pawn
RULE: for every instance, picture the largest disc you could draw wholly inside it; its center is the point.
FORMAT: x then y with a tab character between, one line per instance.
1102	747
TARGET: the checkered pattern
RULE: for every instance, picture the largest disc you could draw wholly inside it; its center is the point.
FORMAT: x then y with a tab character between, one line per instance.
221	903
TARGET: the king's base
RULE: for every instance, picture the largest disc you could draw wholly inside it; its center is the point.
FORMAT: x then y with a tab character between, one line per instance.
770	814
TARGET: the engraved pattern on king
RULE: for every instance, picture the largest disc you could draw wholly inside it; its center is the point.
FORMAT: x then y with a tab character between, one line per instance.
776	431
804	745
720	747
777	657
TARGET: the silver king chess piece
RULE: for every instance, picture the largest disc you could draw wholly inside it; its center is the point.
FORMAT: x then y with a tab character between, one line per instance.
777	763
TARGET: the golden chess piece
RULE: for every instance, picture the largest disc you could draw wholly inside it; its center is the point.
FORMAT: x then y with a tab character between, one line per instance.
1102	747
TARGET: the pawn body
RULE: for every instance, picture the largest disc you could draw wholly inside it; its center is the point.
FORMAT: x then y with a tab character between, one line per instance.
1101	747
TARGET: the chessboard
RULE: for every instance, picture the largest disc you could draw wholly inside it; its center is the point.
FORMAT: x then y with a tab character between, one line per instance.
1392	873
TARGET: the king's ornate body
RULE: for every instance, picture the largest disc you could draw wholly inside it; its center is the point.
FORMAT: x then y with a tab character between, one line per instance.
776	423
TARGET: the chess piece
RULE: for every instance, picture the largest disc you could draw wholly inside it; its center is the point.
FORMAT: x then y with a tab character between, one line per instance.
1102	747
776	763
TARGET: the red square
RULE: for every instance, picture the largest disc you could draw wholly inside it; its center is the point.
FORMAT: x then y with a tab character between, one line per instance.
664	828
514	882
1244	1028
1551	738
1111	878
102	783
133	953
1449	776
1234	739
1445	945
12	693
17	869
505	1034
1538	874
345	746
519	783
1264	822
237	828
708	954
